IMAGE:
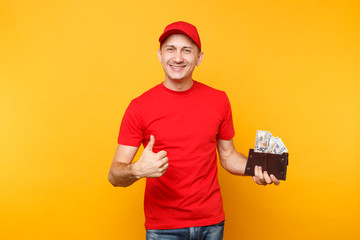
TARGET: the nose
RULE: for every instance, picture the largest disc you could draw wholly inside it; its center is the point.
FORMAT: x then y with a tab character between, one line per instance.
178	57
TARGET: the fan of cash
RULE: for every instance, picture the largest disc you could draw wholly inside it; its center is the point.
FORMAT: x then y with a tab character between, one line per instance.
265	142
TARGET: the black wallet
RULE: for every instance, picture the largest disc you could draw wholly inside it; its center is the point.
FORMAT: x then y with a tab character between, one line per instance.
272	163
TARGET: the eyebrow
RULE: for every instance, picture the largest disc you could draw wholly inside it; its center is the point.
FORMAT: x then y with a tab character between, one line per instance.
175	47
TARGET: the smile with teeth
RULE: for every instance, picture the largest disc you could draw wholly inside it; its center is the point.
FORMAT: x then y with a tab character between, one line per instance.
177	68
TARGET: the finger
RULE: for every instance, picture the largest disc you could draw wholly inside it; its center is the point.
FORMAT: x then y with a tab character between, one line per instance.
261	177
256	175
256	180
161	154
267	178
151	143
165	166
164	161
274	179
163	172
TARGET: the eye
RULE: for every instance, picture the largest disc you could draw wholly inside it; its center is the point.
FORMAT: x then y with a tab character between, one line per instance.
187	50
170	49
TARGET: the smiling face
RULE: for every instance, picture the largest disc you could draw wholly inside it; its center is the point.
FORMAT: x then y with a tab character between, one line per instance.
179	55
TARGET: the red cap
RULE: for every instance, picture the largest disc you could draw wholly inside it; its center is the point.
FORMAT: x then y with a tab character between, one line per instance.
183	28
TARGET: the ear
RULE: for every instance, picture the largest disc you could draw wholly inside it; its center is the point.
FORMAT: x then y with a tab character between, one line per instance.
159	54
200	58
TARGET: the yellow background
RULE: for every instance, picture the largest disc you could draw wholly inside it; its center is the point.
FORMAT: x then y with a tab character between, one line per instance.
68	70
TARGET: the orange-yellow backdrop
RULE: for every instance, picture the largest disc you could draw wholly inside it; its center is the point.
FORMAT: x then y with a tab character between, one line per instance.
68	70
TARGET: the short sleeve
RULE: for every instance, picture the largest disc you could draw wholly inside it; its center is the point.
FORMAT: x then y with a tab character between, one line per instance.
131	128
226	129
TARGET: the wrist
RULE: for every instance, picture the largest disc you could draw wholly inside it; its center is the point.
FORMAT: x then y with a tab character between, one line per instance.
133	170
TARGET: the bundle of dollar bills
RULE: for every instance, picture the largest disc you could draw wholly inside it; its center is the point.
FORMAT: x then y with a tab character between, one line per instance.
265	142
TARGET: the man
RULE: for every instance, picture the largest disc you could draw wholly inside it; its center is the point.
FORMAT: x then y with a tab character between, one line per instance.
181	123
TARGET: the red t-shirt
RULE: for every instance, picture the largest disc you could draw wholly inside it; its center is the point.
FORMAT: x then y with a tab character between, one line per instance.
186	125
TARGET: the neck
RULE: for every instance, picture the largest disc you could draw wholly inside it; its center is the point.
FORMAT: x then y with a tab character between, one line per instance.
178	85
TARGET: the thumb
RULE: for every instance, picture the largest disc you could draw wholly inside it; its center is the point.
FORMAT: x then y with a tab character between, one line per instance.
150	143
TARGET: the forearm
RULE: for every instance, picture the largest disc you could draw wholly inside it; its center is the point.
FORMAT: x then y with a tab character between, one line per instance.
122	174
234	162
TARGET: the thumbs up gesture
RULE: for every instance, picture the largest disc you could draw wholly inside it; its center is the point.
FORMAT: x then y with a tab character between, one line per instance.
151	164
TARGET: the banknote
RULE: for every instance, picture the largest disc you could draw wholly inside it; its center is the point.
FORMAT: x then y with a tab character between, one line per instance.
273	145
262	141
282	148
265	142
